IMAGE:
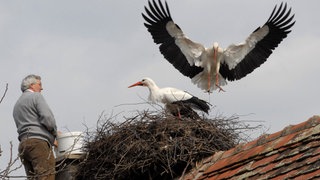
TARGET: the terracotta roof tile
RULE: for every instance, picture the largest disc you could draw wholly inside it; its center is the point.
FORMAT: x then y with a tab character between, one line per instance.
292	153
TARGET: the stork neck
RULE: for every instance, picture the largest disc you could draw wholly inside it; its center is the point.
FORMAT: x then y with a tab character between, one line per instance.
154	93
154	89
215	53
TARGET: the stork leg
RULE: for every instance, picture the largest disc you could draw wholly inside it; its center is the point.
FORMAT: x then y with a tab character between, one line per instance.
216	69
217	83
209	82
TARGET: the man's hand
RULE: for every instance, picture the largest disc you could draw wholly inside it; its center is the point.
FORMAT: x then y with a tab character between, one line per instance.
55	143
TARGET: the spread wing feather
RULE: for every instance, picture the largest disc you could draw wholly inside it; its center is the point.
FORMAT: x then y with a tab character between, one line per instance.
157	19
240	60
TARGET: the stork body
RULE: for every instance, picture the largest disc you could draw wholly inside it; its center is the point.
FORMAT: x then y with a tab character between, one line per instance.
172	97
210	68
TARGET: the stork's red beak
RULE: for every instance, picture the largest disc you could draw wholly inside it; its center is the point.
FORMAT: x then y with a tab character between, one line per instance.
136	84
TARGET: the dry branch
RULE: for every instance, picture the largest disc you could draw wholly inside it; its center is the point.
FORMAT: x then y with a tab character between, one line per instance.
4	94
13	165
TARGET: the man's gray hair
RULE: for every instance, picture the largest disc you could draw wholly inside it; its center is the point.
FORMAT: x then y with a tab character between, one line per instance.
27	81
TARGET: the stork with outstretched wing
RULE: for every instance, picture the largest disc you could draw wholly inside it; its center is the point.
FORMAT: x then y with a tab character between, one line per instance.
210	68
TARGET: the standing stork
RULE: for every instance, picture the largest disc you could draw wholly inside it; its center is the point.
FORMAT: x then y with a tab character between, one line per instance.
210	68
177	101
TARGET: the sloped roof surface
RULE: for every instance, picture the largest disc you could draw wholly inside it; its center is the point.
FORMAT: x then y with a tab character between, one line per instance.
293	153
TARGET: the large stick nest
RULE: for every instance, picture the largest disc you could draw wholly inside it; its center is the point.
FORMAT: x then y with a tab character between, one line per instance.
155	146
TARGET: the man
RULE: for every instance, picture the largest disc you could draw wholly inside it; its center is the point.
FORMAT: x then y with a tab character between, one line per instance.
37	130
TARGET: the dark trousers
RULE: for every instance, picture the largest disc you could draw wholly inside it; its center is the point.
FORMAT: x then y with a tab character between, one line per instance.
37	157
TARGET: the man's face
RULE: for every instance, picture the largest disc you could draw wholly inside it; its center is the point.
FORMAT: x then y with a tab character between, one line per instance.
37	87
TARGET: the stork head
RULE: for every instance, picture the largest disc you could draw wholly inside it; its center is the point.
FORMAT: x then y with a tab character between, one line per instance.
144	82
215	45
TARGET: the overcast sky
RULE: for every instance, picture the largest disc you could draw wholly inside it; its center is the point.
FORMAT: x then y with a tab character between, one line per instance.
89	52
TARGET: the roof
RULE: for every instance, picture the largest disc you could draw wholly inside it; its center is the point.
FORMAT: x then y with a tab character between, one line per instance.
292	153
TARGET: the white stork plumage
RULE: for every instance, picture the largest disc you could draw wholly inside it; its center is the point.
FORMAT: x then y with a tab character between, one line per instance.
209	68
172	97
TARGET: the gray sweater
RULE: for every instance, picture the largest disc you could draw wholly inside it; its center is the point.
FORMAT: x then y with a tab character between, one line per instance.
33	117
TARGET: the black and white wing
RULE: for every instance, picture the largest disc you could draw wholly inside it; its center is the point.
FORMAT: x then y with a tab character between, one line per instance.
240	60
180	51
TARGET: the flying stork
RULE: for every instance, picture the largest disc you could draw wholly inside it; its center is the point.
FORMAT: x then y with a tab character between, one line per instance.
177	101
210	68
